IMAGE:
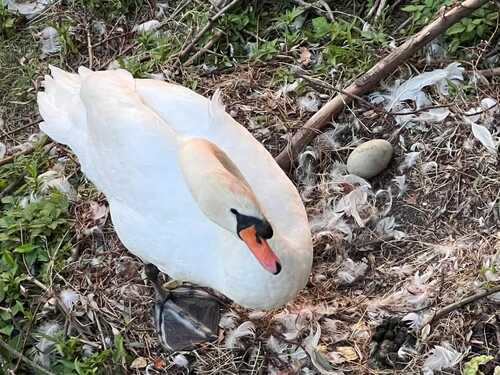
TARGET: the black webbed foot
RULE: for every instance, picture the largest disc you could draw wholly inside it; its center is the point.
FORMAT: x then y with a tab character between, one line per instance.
183	316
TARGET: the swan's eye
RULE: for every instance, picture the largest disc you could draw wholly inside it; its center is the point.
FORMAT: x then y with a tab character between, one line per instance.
262	227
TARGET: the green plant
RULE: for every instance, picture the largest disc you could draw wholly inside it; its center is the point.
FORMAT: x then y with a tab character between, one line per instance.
466	32
65	37
70	360
7	21
112	8
344	42
263	51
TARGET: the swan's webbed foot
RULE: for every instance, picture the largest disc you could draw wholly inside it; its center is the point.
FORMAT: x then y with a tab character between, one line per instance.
184	316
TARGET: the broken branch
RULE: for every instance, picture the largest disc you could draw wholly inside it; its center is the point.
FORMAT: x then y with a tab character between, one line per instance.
202	32
370	79
25	359
454	306
9	159
205	48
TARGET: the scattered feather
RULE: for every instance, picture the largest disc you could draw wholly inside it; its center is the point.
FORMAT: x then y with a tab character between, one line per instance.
147	27
287	88
440	358
99	212
483	135
328	222
397	97
45	343
180	360
56	180
229	320
352	203
275	345
245	329
429	167
49	39
319	361
3	150
99	27
69	298
28	9
409	161
401	184
387	228
406	352
350	271
293	324
309	102
415	320
87	350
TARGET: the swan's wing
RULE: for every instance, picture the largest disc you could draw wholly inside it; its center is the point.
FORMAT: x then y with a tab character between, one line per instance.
193	115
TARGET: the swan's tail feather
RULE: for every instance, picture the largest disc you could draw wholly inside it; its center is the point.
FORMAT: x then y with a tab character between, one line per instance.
63	113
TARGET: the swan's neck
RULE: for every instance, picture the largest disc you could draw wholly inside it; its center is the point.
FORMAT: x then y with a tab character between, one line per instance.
216	183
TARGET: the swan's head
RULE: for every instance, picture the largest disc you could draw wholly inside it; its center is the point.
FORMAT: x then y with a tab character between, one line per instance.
225	197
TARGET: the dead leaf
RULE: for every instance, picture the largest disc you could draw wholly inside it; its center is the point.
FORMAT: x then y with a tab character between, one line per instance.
139	362
305	56
412	199
159	364
347	352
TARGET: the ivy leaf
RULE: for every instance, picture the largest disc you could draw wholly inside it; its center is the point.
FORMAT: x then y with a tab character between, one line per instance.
472	367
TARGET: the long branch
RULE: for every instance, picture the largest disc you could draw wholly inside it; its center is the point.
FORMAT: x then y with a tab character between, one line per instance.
456	305
25	359
370	79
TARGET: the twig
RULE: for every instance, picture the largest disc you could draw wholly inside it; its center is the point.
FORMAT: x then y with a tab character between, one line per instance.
373	9
22	127
370	79
89	45
10	188
456	305
205	48
324	4
202	32
9	159
487	73
380	9
25	359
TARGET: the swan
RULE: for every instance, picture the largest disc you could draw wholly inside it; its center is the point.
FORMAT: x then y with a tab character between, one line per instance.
190	190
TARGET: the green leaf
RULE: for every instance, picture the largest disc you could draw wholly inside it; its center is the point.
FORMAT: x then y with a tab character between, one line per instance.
119	354
18	307
24	249
456	29
472	367
321	27
409	8
7	330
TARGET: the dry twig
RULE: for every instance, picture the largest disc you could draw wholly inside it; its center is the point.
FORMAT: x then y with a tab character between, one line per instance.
202	32
465	301
25	359
370	79
205	48
9	159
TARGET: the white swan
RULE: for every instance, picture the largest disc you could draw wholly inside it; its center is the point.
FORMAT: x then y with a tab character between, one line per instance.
190	190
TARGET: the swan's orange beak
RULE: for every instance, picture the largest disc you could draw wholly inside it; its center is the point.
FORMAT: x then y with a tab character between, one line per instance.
261	250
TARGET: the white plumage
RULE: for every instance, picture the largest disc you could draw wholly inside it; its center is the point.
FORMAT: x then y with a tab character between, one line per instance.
127	134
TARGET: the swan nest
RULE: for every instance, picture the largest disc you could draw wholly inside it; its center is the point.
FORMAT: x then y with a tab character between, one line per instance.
388	252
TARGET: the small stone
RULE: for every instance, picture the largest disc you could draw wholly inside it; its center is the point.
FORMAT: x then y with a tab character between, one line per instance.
370	158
